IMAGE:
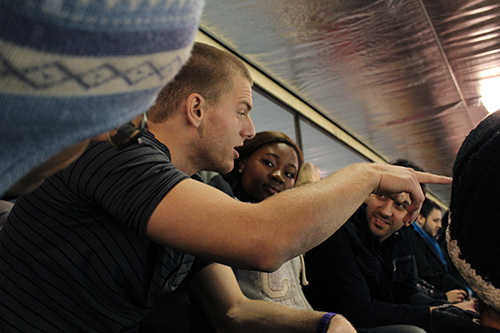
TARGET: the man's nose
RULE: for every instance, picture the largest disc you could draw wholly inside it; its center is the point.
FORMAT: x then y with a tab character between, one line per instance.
248	130
386	209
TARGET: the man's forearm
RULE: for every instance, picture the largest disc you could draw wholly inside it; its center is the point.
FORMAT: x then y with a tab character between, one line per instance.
198	219
217	291
266	316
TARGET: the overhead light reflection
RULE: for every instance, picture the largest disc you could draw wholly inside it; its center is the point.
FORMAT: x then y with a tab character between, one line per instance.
490	92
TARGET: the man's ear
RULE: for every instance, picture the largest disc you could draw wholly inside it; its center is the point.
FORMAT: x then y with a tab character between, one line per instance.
420	220
196	107
367	199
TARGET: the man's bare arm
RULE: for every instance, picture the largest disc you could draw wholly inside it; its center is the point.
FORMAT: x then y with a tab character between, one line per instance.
220	296
199	219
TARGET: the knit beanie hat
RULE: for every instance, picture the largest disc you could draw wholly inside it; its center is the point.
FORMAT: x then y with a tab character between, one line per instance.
73	69
473	233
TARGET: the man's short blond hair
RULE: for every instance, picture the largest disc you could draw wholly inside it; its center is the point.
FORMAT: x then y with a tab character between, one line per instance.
209	72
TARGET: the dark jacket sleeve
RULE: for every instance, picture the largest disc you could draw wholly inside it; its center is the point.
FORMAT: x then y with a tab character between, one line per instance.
404	273
429	290
431	270
338	284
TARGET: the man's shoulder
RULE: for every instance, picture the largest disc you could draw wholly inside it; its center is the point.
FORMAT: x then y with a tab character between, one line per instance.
350	227
357	223
409	235
404	243
101	169
149	140
407	232
146	149
354	232
350	234
419	240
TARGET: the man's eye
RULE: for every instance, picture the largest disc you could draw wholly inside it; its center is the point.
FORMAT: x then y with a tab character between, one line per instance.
401	206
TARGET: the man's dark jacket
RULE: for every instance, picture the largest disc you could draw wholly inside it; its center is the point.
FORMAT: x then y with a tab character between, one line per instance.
372	284
454	320
431	268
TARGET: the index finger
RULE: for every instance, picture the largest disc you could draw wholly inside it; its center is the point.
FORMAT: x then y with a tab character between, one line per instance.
429	178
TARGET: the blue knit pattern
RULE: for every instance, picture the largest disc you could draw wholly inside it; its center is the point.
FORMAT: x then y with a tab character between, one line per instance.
71	70
118	27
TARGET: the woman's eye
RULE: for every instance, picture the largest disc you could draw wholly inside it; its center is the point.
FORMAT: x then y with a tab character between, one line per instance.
268	163
290	175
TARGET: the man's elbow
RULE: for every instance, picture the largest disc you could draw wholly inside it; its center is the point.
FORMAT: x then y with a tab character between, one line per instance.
267	257
267	265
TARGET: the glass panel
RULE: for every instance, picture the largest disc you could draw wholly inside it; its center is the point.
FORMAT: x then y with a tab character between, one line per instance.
269	116
324	151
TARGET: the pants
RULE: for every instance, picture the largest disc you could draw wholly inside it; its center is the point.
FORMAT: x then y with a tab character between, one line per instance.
392	329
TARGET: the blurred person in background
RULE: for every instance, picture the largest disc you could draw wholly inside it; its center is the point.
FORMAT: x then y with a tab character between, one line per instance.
430	260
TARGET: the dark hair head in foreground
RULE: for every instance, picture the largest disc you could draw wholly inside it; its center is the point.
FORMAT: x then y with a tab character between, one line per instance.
474	229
